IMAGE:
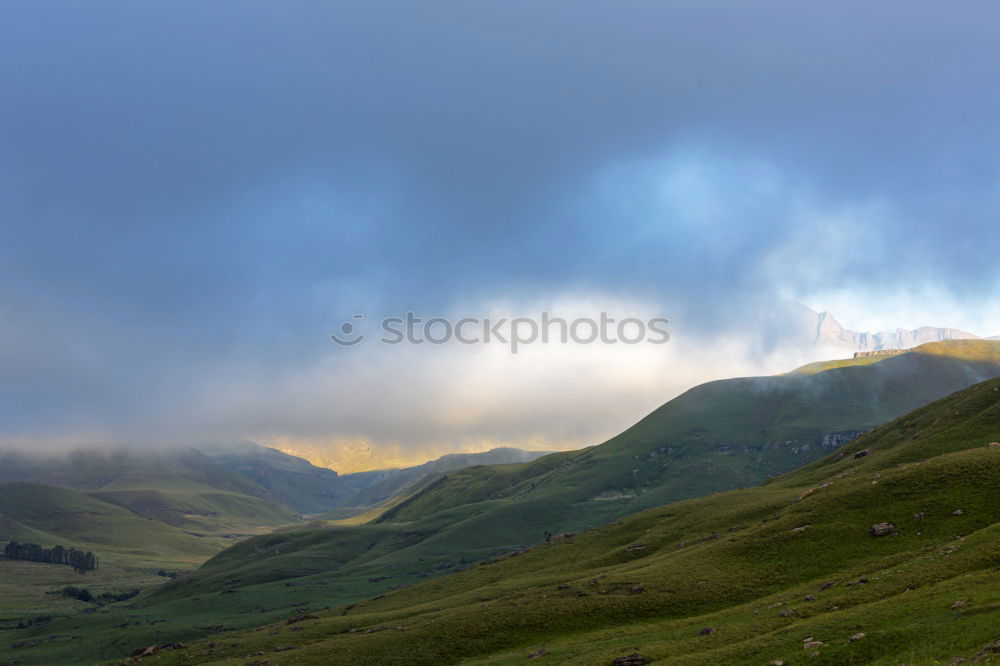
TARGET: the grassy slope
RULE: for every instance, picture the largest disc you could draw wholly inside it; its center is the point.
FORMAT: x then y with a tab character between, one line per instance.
69	517
472	484
739	562
200	510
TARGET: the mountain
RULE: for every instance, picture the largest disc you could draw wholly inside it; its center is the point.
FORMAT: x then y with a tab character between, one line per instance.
821	329
884	551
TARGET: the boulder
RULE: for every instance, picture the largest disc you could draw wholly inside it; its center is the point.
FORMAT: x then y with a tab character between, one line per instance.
881	529
858	636
958	512
862	453
634	659
707	631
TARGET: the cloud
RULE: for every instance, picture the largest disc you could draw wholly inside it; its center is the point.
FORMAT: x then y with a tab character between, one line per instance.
193	196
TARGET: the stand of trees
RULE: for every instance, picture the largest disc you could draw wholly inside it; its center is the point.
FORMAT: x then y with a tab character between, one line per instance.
81	561
83	594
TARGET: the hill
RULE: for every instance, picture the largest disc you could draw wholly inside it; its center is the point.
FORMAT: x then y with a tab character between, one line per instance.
788	571
50	515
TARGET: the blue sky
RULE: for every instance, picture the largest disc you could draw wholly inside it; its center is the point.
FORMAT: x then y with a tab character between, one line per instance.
193	195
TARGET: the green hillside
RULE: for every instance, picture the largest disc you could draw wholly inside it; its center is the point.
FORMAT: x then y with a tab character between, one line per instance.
472	484
787	572
58	515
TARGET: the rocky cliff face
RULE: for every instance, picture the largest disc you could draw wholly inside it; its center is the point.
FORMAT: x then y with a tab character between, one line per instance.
826	331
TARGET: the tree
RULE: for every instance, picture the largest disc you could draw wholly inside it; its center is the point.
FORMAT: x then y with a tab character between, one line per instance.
80	561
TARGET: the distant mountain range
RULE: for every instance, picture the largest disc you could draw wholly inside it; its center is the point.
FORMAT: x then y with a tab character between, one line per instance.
306	488
821	329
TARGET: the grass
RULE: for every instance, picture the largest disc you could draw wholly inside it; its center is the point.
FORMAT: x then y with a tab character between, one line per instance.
62	516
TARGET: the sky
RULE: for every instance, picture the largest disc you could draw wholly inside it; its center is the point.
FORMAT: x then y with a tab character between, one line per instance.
194	196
